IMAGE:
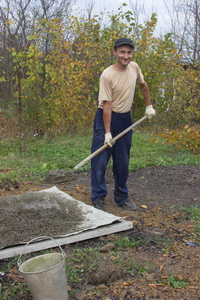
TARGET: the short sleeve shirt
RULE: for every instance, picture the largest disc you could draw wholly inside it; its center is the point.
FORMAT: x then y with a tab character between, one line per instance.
118	86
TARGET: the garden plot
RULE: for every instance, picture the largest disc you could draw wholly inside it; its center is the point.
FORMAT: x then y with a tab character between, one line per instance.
51	213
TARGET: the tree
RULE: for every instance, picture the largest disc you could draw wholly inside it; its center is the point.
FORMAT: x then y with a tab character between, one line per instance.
60	68
18	19
185	26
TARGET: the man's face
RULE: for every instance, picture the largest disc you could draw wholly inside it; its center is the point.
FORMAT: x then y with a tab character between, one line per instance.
123	55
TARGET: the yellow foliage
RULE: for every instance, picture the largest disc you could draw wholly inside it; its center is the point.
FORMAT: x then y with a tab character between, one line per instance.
188	138
60	87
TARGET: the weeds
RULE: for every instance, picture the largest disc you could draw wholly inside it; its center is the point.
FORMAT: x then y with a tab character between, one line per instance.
16	291
123	242
186	138
175	281
139	268
193	213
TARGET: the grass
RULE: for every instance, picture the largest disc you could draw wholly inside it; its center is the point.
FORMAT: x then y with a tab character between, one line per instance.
193	212
43	154
15	291
175	281
83	260
148	150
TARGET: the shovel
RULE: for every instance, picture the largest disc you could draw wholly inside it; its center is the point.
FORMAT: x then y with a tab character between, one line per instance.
83	162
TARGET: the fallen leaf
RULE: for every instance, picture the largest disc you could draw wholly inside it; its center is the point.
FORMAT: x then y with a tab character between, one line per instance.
108	247
81	188
161	268
80	296
125	283
20	294
164	276
165	142
143	206
78	266
115	293
112	257
152	285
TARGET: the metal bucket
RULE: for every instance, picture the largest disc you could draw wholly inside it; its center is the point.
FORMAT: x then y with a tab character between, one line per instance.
45	275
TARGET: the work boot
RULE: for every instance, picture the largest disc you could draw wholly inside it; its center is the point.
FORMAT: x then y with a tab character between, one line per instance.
99	203
129	205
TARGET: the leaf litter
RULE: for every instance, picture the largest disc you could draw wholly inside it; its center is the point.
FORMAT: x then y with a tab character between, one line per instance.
164	262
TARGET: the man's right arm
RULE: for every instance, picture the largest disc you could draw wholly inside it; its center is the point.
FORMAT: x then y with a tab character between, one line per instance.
107	113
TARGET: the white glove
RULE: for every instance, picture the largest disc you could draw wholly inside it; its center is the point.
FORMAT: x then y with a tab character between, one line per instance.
108	138
150	112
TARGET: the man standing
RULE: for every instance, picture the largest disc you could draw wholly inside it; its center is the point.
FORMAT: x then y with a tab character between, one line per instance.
116	94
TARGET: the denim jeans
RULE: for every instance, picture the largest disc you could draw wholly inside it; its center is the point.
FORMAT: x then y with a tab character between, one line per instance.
120	154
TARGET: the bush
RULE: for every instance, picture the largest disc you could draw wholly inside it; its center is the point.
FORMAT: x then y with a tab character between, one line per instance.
188	138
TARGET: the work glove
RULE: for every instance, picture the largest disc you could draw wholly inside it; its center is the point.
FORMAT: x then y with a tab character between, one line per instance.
108	138
149	112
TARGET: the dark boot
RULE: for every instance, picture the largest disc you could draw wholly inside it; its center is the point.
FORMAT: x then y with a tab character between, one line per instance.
99	203
129	205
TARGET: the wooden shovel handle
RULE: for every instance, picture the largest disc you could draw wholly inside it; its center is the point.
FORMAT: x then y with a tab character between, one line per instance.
83	162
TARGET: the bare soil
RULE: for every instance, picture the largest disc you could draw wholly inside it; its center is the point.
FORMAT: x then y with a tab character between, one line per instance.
159	192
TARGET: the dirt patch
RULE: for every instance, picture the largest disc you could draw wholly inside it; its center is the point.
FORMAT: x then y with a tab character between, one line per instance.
34	214
159	192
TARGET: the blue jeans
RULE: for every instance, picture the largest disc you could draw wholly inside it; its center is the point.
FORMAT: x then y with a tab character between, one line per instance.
120	153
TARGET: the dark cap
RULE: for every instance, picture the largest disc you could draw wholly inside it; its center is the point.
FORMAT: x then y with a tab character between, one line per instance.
123	41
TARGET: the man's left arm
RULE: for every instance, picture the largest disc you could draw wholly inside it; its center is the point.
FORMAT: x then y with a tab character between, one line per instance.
149	111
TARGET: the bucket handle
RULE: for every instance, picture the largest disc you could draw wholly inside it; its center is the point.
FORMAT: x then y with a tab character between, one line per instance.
19	262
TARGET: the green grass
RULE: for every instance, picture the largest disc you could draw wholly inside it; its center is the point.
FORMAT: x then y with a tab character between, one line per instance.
175	282
65	152
148	150
193	212
83	261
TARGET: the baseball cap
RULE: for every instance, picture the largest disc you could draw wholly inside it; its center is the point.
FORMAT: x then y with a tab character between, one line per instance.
123	41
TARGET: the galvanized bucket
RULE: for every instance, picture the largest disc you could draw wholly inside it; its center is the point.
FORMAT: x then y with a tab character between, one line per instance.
45	275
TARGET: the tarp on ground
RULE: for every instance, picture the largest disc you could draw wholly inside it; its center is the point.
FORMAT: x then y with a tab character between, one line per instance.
52	213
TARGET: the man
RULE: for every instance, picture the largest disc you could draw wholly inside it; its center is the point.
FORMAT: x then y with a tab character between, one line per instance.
116	94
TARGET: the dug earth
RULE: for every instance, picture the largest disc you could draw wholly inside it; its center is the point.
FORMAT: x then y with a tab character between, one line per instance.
160	194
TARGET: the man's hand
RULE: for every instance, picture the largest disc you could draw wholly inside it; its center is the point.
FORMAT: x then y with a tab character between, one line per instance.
108	138
149	112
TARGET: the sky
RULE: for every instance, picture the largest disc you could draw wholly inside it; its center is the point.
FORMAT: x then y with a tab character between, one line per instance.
157	6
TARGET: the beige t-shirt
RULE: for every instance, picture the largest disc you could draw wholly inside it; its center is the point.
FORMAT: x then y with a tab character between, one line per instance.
118	86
